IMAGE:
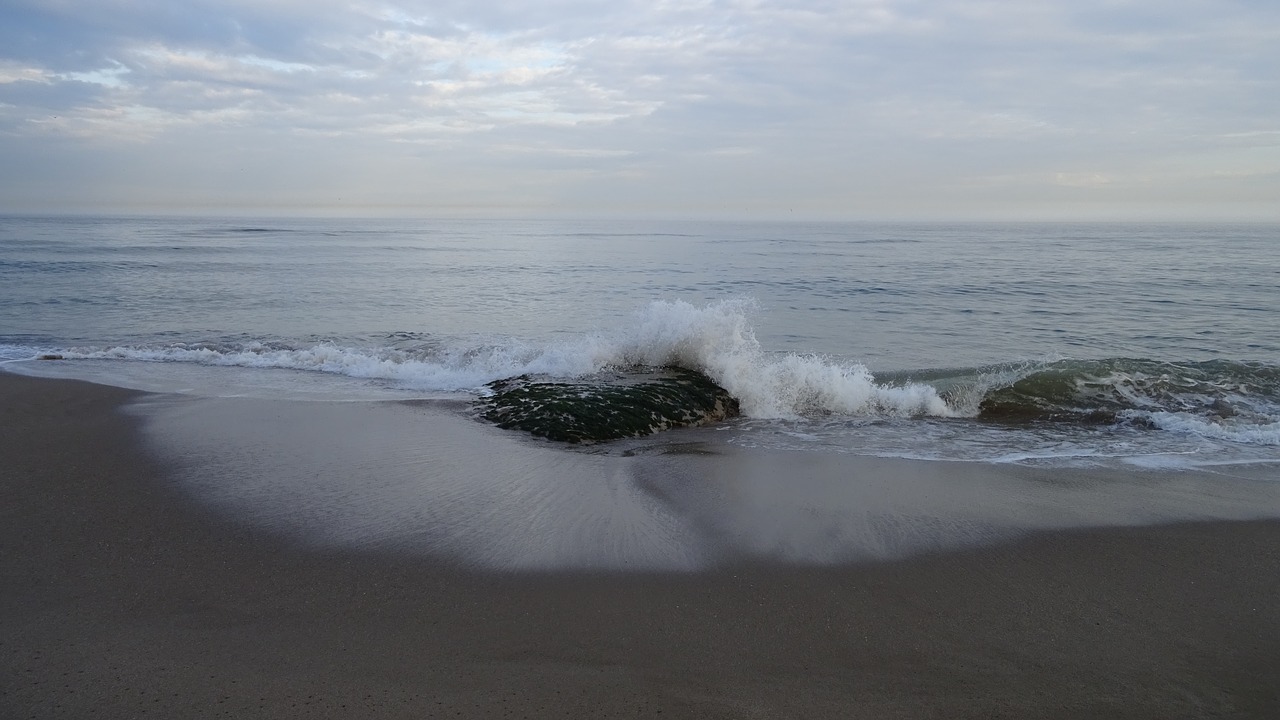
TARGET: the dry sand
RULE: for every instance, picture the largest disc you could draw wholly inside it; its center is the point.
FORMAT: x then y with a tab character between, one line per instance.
120	597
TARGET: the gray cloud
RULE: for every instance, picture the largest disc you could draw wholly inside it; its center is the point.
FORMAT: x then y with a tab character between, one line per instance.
857	108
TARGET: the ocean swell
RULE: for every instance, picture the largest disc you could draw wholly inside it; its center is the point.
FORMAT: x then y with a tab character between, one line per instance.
1220	399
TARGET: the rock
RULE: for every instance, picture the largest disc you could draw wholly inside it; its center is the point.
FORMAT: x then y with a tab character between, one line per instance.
598	410
50	357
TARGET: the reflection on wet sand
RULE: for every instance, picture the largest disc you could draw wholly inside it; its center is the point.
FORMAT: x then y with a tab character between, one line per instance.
424	477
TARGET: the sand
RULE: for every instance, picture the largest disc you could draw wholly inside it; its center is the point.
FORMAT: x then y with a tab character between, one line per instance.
120	596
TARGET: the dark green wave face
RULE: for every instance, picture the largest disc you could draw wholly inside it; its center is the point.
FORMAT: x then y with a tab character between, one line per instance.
629	405
1114	389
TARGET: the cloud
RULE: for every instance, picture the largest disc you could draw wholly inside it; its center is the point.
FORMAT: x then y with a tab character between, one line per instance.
649	101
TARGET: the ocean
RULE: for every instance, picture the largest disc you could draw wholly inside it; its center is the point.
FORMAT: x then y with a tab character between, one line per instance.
1065	344
901	387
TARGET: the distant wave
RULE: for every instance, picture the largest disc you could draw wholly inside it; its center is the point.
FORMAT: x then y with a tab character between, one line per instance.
1224	400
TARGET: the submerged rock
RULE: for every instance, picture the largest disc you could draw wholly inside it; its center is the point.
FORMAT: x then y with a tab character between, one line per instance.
607	409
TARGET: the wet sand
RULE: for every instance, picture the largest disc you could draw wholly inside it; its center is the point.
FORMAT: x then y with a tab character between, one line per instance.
121	597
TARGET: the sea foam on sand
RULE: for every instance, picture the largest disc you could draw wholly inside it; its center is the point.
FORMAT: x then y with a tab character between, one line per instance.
426	477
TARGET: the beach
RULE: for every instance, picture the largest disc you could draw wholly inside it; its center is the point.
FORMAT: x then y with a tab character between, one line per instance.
123	597
868	360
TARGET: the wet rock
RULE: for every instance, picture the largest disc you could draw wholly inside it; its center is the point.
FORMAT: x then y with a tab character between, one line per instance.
607	408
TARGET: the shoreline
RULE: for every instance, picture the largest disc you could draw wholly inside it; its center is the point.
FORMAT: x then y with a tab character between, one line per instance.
123	598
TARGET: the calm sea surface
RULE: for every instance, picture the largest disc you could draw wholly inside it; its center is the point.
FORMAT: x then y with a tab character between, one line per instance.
1032	343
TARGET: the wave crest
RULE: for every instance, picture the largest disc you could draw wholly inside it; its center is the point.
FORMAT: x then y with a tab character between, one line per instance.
716	339
1220	399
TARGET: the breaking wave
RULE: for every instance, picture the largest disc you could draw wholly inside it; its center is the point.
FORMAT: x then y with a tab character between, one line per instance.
1218	399
716	340
1221	399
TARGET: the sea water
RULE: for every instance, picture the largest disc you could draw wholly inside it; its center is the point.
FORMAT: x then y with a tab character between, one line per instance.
1134	345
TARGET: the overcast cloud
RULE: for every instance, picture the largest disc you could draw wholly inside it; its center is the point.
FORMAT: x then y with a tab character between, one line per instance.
858	109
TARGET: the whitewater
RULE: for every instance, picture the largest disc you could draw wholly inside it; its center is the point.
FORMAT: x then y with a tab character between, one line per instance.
1151	346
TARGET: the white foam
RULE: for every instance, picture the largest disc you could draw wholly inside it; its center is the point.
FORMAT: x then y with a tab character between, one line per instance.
421	478
1164	461
716	339
15	353
1215	429
448	370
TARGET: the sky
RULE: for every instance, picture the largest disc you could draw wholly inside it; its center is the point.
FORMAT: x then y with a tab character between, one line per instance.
809	109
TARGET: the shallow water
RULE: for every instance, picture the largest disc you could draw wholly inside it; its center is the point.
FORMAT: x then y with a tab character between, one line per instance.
426	477
1141	346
